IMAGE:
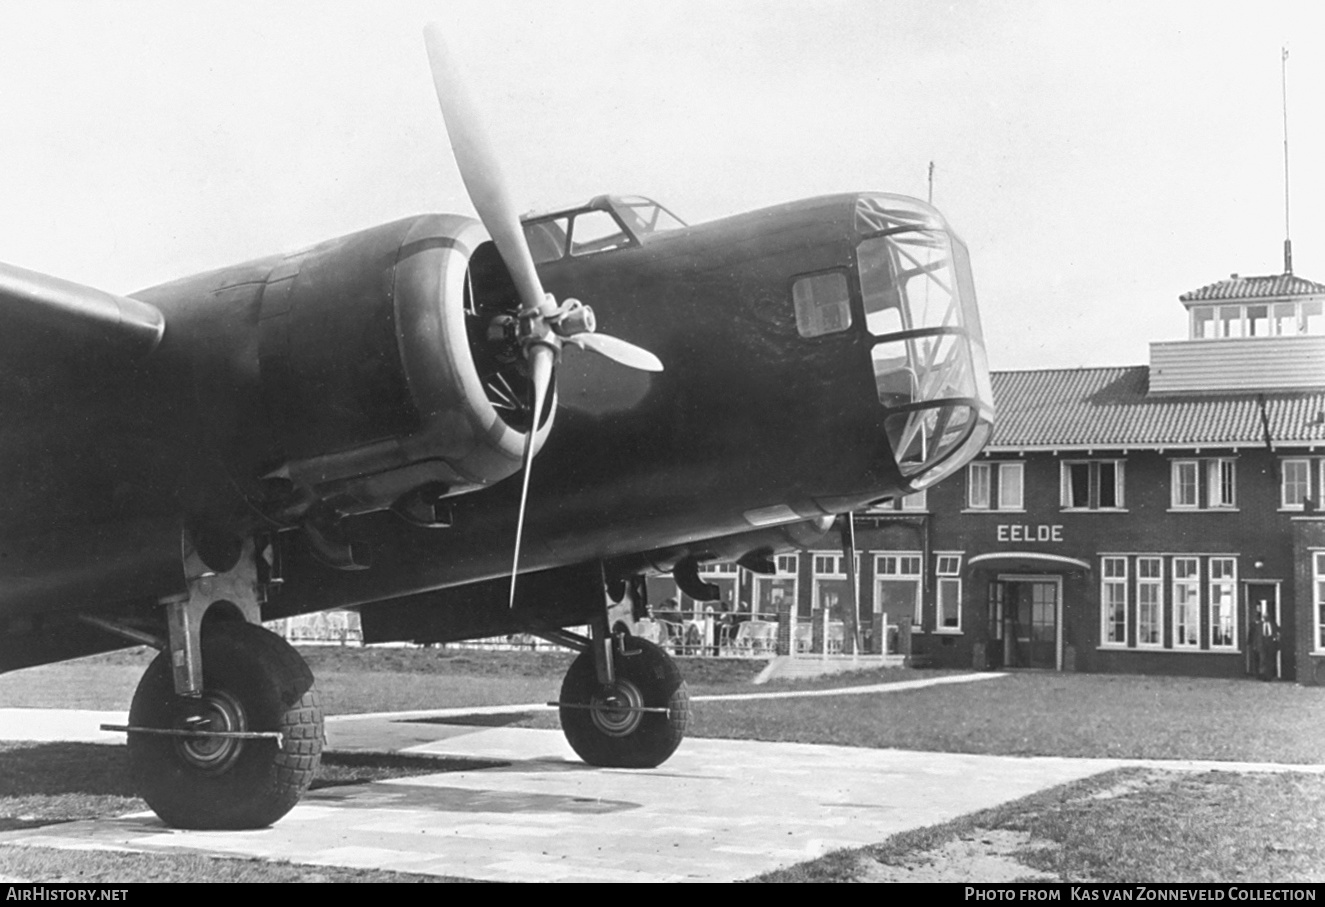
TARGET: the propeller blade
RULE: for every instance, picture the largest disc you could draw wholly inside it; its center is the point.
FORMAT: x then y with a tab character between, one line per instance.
481	171
541	358
618	350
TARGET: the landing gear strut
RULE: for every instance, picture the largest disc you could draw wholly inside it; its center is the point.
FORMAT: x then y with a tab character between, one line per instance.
225	730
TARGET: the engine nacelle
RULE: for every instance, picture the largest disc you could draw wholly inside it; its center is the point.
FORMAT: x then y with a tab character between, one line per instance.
388	369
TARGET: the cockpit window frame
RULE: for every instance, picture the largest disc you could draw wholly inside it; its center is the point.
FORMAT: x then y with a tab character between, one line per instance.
613	206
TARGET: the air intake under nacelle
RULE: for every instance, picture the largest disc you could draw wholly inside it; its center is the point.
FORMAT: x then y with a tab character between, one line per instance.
383	374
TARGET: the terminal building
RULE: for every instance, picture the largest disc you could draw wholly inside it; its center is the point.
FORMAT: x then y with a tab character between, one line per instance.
1162	518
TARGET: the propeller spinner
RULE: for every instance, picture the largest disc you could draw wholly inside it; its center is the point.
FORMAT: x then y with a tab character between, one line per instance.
544	325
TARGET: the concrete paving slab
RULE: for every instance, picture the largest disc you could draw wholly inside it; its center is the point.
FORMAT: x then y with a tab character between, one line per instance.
719	810
64	725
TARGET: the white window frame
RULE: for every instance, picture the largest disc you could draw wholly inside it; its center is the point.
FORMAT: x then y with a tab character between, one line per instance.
1222	576
979	477
948	573
918	501
1215	483
1196	320
1318	599
1146	586
817	575
1192	585
901	559
1204	479
988	484
1093	486
785	567
1006	469
1178	485
1305	484
1113	591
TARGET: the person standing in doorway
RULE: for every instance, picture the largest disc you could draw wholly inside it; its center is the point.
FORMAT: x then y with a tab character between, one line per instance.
1269	649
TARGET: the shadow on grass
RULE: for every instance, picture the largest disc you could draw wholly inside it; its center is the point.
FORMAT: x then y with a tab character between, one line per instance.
55	769
46	783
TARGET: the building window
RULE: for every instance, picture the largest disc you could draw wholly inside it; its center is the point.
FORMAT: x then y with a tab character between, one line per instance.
912	503
949	570
1121	576
1010	476
1001	488
977	486
1185	486
1295	483
1092	485
1150	601
1113	601
775	591
1318	582
1222	483
1204	484
1223	599
832	589
897	587
1283	319
917	501
1203	323
1186	602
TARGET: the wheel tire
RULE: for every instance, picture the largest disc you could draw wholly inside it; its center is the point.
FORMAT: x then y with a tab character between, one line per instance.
252	680
646	676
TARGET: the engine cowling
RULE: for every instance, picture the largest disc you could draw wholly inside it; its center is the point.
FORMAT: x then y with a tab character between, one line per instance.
389	370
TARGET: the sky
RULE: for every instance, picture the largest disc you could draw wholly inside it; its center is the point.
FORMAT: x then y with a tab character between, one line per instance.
1099	158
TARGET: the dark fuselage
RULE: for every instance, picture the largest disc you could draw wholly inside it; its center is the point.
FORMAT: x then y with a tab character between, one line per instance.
750	424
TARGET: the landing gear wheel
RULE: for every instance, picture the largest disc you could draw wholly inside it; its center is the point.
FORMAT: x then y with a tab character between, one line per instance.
611	732
252	681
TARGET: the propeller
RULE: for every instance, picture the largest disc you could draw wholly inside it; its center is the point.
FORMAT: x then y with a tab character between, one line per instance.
544	325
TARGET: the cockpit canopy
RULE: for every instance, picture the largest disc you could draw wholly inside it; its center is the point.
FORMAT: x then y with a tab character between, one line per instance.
607	222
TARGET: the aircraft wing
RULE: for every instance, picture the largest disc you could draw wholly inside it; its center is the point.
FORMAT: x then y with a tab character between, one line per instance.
73	319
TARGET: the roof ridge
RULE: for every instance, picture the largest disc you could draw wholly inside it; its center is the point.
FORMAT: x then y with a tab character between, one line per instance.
1071	368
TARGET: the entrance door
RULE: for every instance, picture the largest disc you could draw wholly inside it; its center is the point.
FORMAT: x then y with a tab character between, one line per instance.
1264	654
1030	621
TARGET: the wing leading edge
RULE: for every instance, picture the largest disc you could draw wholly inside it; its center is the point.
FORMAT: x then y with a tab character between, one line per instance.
41	306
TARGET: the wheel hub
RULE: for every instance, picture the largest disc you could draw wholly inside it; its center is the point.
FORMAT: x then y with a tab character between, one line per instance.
215	710
616	708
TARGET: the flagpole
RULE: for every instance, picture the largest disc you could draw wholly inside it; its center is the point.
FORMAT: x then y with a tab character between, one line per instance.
1288	241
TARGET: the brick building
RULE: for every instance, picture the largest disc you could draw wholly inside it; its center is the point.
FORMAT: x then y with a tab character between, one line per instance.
1145	519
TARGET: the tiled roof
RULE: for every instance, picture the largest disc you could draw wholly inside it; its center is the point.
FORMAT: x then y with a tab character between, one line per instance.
1266	287
1296	418
1108	408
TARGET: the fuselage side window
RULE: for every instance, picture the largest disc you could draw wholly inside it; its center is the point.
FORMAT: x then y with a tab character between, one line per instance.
823	303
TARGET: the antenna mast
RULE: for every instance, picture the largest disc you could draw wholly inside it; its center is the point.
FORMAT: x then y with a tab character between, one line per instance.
1288	241
931	183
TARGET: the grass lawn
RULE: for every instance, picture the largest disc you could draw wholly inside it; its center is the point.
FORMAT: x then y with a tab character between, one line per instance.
1127	826
1047	714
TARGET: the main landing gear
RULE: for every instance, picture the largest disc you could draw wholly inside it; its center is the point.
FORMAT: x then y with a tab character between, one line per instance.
225	730
623	702
254	733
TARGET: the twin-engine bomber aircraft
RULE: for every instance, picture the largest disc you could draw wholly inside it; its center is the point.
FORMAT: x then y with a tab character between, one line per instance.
343	428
